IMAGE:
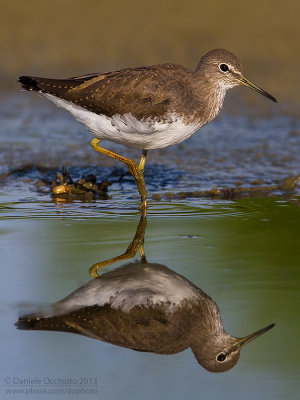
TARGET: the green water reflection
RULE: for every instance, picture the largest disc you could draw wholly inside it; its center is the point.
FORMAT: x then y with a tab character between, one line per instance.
246	258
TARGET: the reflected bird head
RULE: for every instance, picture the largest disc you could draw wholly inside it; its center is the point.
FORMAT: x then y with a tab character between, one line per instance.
221	353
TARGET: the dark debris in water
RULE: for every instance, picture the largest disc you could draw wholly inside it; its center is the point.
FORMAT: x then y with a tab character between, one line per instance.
285	186
86	188
60	185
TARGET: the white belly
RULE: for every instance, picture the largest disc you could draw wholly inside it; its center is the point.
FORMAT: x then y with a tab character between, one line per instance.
126	129
134	285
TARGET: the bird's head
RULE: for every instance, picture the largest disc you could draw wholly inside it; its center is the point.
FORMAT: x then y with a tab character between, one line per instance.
221	352
224	69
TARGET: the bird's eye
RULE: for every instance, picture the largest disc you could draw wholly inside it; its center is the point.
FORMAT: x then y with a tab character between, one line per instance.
221	357
224	67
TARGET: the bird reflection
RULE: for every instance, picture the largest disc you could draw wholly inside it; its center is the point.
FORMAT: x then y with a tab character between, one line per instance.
145	307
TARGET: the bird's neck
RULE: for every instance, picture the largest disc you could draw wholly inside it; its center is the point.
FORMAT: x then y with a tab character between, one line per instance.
207	337
215	101
211	95
208	323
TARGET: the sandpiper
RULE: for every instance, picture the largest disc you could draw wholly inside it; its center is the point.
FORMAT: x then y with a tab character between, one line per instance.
146	307
148	107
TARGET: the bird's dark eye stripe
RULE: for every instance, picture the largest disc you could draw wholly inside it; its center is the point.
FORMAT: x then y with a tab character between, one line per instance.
224	67
221	357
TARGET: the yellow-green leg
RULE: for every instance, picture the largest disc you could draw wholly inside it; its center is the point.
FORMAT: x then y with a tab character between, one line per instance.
142	162
134	169
137	244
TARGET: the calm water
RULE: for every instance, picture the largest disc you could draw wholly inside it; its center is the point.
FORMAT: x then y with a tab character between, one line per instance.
244	253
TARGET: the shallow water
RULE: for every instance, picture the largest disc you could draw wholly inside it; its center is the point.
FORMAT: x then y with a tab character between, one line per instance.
244	253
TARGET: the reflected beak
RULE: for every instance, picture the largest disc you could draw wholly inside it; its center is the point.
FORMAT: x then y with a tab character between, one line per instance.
243	341
251	85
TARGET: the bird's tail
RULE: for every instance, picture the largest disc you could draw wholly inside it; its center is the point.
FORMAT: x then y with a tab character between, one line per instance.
35	323
29	83
56	87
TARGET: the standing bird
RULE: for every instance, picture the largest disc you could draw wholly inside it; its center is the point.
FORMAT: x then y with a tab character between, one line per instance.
146	307
149	107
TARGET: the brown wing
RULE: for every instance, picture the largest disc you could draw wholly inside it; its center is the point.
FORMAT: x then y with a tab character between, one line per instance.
144	92
141	329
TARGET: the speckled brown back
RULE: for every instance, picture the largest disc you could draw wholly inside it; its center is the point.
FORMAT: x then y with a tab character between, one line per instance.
144	92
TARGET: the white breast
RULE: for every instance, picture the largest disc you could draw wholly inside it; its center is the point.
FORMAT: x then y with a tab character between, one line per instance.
126	129
134	285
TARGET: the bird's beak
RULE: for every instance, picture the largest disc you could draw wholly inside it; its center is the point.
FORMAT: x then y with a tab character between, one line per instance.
243	341
251	85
